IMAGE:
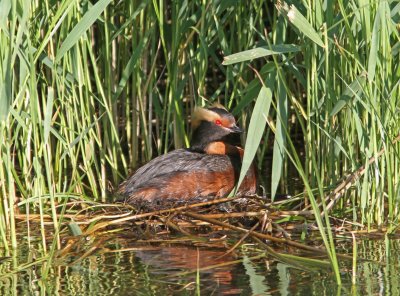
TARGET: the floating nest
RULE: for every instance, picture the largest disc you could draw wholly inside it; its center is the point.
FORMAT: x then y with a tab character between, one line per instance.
223	223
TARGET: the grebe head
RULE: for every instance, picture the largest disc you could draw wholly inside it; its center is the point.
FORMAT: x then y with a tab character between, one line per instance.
213	124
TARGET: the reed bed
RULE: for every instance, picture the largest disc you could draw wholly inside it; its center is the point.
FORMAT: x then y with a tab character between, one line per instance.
91	90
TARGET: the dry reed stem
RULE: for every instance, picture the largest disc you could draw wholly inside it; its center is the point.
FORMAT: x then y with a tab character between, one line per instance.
262	235
237	244
156	213
338	192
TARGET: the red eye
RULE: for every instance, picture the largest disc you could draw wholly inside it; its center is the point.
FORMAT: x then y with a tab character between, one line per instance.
218	122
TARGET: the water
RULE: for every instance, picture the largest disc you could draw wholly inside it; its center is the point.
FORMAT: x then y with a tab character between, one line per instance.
121	265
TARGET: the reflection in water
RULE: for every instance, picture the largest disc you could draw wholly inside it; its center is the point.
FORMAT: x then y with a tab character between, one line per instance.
215	274
172	270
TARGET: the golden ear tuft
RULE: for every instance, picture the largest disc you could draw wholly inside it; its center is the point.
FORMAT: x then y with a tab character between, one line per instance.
201	114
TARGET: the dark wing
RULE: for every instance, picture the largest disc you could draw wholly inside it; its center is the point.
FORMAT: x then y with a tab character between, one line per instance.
178	161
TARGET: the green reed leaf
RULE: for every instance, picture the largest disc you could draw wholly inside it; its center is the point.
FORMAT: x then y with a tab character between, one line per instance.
74	228
132	63
351	90
259	52
294	16
5	7
88	19
48	114
280	139
372	59
5	94
257	125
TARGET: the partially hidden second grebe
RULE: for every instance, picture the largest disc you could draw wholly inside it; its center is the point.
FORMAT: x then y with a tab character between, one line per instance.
209	168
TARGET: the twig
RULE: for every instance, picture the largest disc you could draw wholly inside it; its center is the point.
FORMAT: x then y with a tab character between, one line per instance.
167	222
239	241
156	213
262	235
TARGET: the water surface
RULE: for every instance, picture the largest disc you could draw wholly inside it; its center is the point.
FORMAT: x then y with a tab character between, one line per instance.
122	266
